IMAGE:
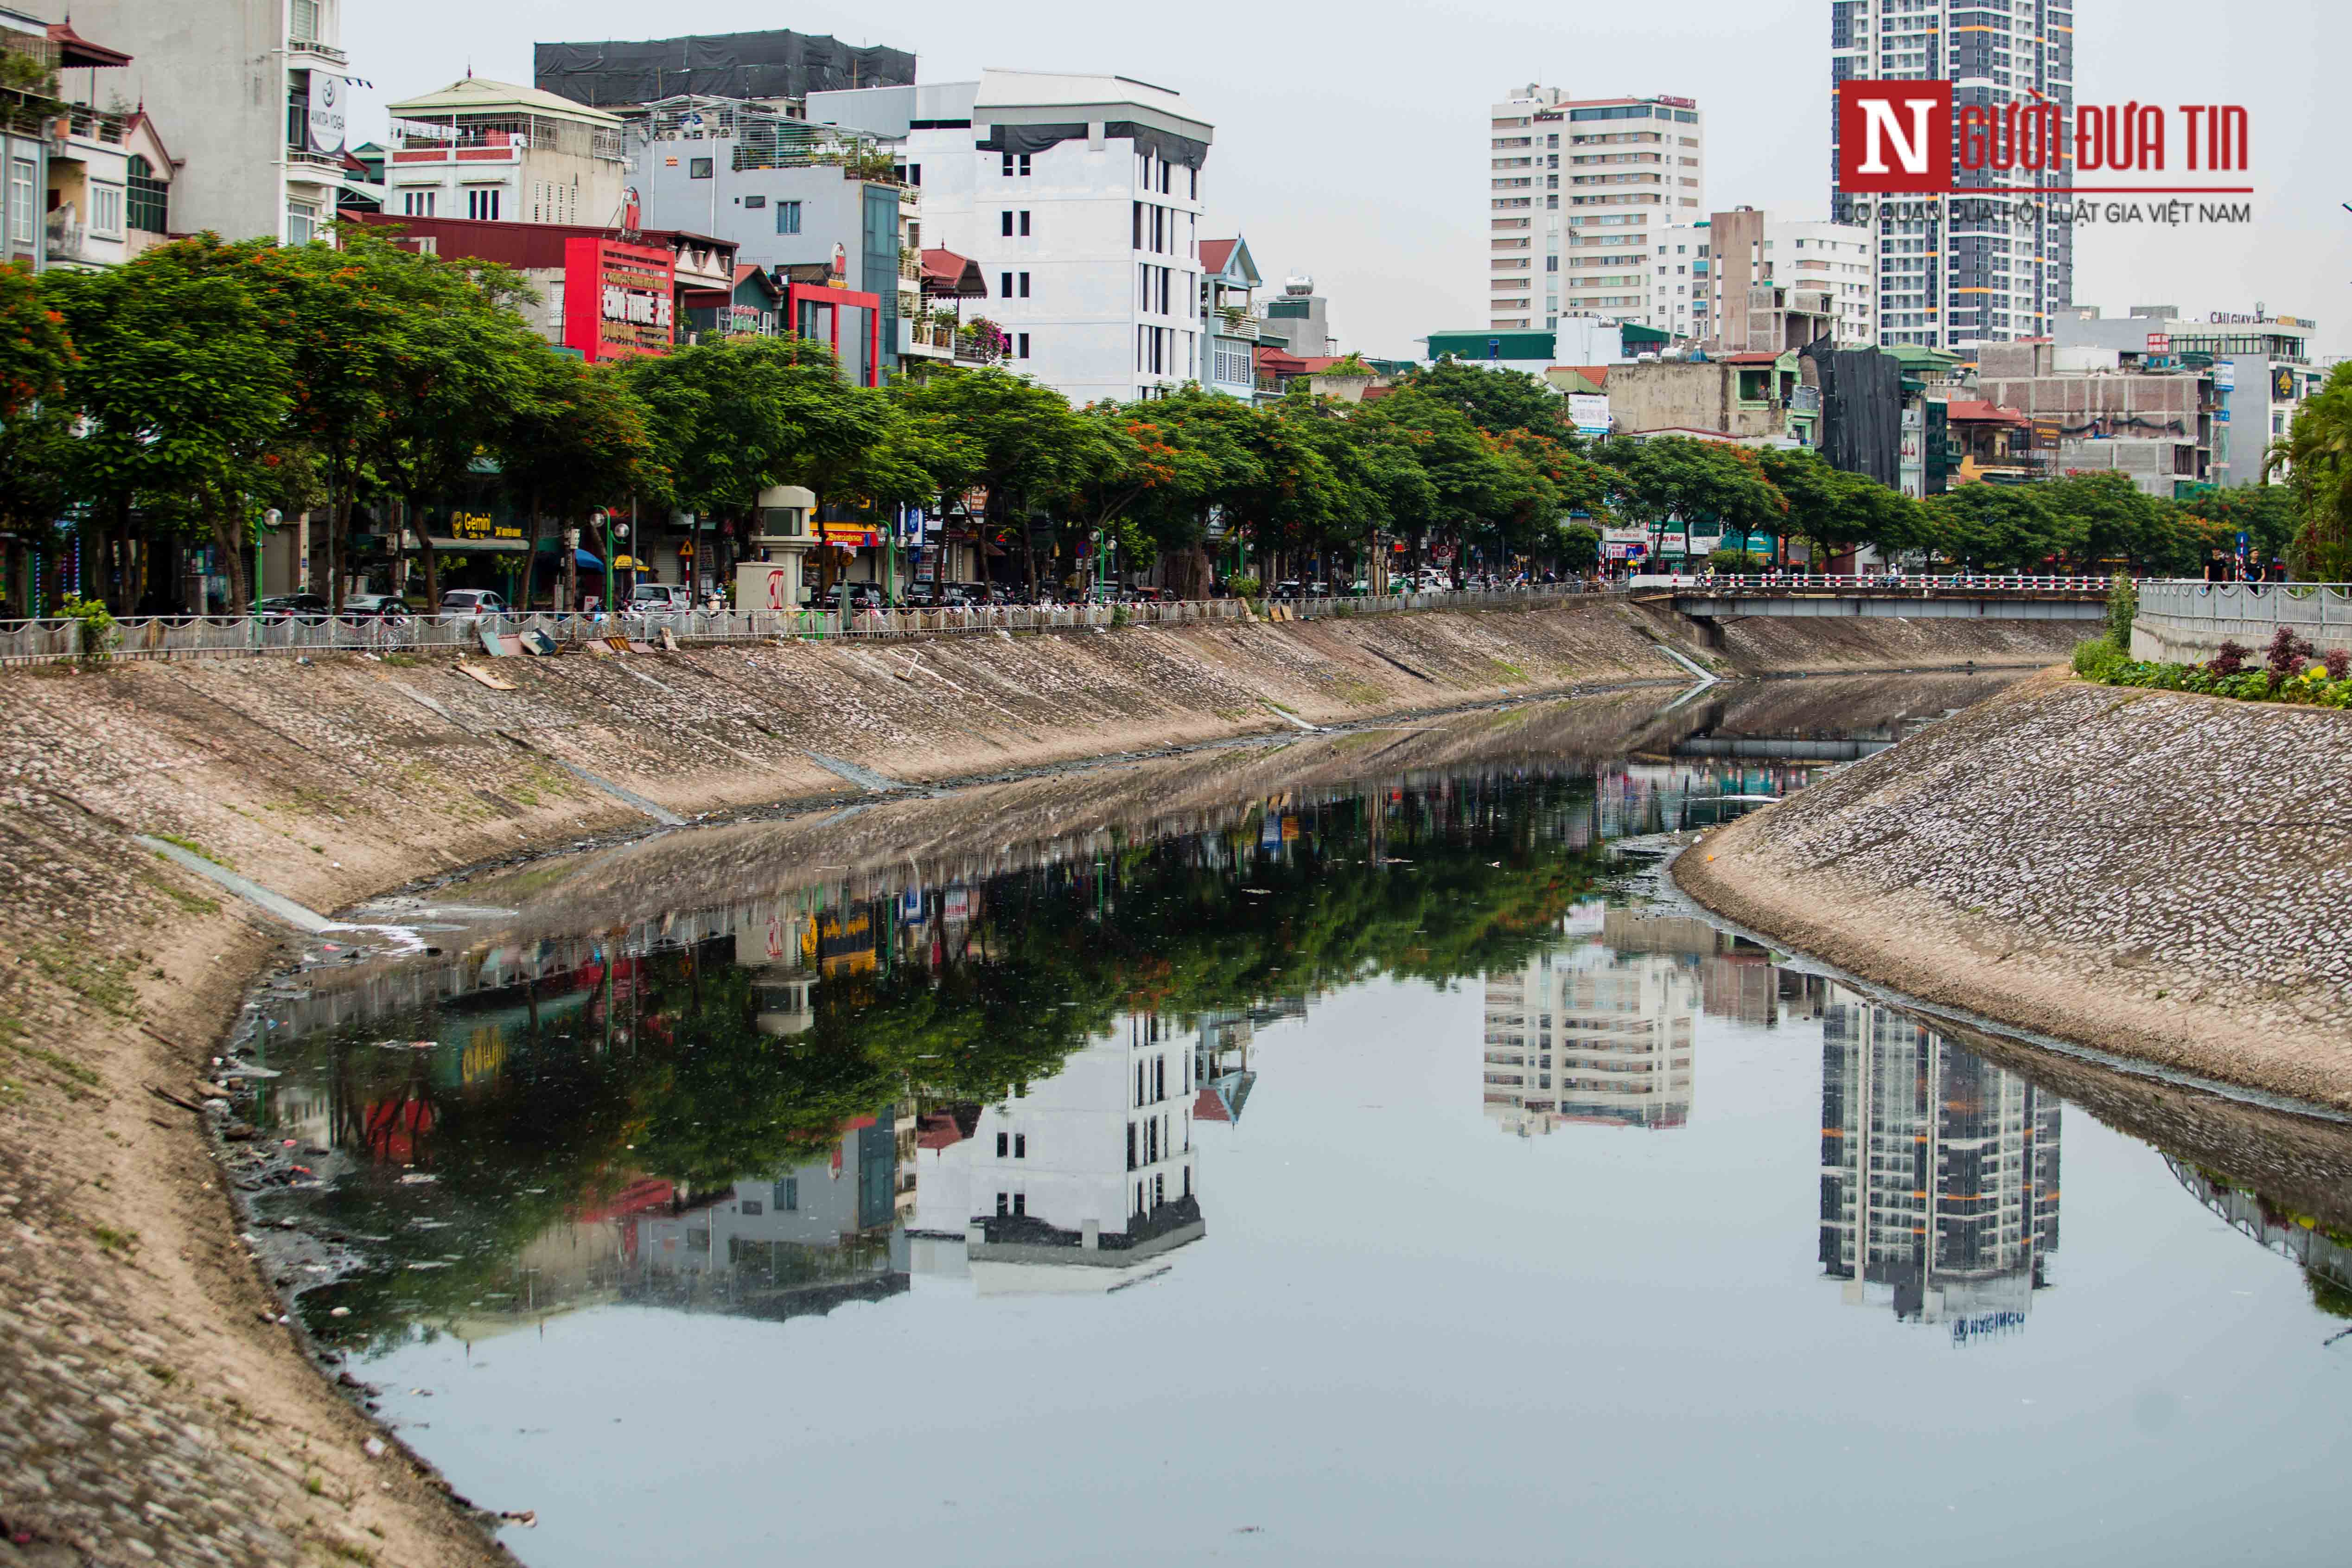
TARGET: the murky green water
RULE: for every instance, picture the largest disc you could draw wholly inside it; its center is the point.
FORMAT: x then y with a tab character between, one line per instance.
1358	1172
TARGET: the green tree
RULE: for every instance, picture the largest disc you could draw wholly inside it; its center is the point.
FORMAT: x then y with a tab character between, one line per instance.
575	440
1493	400
2317	457
1991	527
1023	443
35	423
2107	518
183	397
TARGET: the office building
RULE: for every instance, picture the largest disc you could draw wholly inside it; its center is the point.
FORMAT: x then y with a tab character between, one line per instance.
1579	193
1939	1173
1078	197
255	95
1993	264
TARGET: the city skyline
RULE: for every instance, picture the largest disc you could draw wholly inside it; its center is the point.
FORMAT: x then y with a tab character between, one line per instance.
1394	238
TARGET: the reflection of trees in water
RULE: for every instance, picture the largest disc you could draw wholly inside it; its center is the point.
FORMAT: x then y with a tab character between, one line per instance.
648	1080
2323	1253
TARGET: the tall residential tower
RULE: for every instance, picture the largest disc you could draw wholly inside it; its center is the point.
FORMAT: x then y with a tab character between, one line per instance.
1958	270
1579	193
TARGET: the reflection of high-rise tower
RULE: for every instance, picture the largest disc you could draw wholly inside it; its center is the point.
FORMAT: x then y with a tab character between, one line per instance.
1939	1172
1585	1035
1075	1184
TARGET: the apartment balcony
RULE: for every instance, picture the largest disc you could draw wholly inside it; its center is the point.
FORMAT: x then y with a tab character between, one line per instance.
80	123
928	342
66	242
1242	326
320	48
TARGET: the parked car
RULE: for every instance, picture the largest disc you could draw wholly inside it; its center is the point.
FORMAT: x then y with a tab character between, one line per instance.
461	603
1285	591
1318	590
307	608
664	597
862	596
378	606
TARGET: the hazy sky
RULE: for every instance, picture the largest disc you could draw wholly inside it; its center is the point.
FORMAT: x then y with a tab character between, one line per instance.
1351	137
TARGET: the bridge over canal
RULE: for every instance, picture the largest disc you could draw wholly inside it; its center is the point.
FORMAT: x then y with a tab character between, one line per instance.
1913	598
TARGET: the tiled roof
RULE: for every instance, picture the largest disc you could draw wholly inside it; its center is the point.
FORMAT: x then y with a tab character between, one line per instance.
1982	412
1215	253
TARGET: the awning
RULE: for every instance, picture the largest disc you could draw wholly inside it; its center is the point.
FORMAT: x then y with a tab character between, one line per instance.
478	546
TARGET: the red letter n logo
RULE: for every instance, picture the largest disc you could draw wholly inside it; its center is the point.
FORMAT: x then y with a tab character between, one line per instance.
1895	137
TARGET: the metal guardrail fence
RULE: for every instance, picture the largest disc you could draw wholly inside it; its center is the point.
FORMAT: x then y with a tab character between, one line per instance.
187	637
1882	583
2250	612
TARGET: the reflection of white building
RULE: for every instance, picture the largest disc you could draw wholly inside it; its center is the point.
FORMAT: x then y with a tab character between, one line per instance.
1584	1034
1939	1173
1081	1182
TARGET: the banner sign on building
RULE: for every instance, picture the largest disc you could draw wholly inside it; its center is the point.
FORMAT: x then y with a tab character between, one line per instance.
329	112
617	299
1588	414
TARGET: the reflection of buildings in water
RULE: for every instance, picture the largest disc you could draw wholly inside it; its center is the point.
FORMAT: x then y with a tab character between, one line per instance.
1635	798
1939	1173
2325	1258
1221	1066
786	1246
1737	979
1585	1035
1082	1183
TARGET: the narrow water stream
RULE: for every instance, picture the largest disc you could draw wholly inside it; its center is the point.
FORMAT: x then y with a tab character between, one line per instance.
1353	1172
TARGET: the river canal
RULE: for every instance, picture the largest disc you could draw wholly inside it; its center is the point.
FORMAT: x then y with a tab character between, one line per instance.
1360	1172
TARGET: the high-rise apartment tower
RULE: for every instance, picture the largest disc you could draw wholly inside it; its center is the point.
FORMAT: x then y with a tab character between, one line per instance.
1989	263
1580	192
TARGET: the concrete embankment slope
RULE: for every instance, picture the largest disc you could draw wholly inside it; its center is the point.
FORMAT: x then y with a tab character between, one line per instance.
150	1409
2163	876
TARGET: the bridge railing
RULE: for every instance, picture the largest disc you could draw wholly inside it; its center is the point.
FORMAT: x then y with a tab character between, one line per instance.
1881	582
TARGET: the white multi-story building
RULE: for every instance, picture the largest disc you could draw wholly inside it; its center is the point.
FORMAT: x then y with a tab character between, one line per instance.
500	153
1578	192
1079	196
1689	275
1939	1173
1993	263
1079	1183
1589	1035
255	94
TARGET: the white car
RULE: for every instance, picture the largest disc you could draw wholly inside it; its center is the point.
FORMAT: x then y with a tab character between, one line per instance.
463	603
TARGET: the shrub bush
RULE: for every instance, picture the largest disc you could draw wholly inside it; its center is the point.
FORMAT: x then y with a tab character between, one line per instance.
2123	608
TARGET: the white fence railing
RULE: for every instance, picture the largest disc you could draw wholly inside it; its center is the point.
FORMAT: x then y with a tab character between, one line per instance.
1879	583
2250	613
181	636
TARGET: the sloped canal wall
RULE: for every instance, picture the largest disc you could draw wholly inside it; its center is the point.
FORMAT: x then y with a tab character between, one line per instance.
2163	876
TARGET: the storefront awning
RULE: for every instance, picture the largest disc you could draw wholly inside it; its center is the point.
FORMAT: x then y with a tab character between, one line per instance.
478	546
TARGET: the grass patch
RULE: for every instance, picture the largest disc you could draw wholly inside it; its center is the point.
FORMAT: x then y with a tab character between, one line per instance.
125	1242
193	848
12	1035
317	1488
346	1552
189	903
103	982
401	660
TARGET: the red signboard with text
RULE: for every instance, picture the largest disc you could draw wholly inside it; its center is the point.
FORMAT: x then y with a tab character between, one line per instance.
617	299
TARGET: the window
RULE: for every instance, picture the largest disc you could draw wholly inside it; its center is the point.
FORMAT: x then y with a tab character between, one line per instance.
482	205
754	203
1022	353
788	218
787	1195
751	1206
305	27
20	201
697	168
1024	285
1004	223
106	209
1003	1205
1021	1203
1002	1142
418	203
1021	1145
1024	223
301	222
150	198
1005	286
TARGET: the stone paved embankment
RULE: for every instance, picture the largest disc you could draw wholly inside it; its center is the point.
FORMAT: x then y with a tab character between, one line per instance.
150	1408
2164	876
